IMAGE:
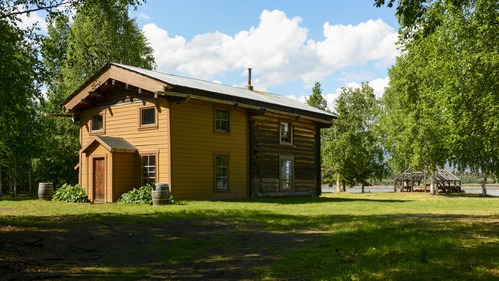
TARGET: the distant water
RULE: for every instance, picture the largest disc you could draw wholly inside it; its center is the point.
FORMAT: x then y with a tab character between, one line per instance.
493	190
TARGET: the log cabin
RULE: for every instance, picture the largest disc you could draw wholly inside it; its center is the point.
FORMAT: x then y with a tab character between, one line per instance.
207	140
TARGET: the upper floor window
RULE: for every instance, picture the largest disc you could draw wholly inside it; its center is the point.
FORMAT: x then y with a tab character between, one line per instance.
221	121
97	123
148	117
286	132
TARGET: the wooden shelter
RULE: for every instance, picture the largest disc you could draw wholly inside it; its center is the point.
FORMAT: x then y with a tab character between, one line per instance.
412	180
207	140
446	181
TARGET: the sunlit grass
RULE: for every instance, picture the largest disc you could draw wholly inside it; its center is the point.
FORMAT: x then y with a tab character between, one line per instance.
375	236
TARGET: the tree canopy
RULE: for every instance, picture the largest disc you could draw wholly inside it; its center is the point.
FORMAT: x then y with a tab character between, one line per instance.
442	104
34	147
354	152
316	99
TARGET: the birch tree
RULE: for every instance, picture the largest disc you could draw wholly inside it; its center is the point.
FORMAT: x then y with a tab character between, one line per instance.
450	66
355	152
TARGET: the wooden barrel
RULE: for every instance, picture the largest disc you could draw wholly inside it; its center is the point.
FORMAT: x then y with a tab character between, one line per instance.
160	193
45	191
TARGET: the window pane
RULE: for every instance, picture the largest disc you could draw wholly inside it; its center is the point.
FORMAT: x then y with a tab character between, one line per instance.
221	172
285	131
148	116
97	123
286	174
148	169
221	120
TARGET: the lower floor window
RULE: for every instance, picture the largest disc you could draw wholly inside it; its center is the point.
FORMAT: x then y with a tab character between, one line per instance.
286	173
221	172
148	169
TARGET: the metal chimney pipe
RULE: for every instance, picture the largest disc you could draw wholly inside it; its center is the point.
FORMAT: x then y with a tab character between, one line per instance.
249	86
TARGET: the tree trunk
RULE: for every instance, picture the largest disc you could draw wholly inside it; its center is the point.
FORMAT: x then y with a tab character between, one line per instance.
14	178
1	192
29	184
362	189
432	186
338	190
484	188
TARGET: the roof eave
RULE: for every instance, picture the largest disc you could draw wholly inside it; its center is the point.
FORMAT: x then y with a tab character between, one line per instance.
252	104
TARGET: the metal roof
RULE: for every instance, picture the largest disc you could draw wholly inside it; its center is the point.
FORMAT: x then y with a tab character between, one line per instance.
229	91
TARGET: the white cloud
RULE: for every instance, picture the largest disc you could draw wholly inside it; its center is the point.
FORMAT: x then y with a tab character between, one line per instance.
378	85
349	45
278	50
144	16
33	19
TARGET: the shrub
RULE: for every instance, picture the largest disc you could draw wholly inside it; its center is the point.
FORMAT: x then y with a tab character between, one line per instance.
137	196
70	193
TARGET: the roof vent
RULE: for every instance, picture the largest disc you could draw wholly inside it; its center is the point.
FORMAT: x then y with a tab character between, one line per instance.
249	86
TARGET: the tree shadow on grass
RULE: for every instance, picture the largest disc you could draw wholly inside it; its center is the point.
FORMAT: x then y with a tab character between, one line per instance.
314	200
19	197
244	245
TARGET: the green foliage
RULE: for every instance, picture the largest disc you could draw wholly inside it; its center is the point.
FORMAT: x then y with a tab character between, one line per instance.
74	49
316	99
34	148
20	77
353	150
70	193
442	104
11	9
100	34
141	195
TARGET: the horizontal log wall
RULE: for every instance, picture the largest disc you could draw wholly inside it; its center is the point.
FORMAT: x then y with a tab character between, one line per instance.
265	150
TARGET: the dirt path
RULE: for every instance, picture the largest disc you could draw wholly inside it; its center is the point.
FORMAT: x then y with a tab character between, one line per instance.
148	248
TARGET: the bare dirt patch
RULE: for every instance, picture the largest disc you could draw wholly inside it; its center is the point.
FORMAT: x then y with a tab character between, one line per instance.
139	248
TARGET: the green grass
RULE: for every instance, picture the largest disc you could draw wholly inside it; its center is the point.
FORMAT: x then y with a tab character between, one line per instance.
376	236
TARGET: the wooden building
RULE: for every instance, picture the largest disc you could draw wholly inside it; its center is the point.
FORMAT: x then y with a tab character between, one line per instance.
412	180
208	141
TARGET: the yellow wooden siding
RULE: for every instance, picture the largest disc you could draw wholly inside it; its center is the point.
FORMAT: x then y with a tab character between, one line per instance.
193	146
124	173
122	120
83	171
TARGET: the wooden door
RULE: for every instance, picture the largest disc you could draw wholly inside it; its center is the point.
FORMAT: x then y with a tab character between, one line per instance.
99	179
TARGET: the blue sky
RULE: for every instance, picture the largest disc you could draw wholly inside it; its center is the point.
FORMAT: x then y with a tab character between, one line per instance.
290	44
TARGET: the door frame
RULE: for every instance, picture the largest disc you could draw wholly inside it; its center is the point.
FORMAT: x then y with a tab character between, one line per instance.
92	176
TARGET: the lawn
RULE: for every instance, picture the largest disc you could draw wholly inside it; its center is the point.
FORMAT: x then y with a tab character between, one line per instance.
374	236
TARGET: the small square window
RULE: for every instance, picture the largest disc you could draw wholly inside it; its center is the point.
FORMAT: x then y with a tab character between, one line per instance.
148	116
221	121
97	123
286	132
